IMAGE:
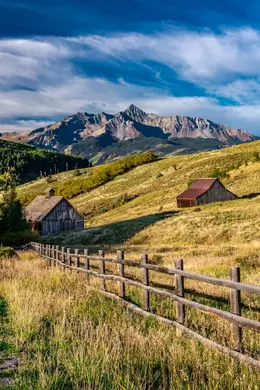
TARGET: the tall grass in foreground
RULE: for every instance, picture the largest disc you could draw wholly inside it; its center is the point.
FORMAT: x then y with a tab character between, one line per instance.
73	338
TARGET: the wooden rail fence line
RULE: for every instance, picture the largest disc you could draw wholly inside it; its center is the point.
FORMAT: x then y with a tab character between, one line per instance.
80	261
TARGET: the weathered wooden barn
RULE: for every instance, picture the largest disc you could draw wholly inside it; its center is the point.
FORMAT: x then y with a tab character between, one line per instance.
204	191
50	214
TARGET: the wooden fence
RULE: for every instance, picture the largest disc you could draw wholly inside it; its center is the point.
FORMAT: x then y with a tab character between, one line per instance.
80	261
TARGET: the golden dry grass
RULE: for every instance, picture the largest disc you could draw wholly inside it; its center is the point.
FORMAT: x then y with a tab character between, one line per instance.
73	338
123	351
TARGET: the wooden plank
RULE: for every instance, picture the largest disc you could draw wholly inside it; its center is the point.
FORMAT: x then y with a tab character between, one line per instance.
120	256
146	294
204	278
179	291
101	254
235	307
252	289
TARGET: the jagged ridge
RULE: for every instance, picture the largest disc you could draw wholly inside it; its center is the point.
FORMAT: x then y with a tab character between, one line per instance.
128	125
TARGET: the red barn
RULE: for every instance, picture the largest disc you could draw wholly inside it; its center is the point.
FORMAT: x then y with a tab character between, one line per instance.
204	191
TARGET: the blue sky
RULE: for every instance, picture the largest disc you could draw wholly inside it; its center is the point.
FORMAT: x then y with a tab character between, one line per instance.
196	58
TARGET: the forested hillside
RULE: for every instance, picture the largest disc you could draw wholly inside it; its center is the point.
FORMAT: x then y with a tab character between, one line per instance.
26	162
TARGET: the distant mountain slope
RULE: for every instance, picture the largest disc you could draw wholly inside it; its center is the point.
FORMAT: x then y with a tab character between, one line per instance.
29	162
103	136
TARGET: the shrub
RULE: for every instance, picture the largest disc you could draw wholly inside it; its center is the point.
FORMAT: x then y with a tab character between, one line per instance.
6	252
219	174
256	157
190	182
49	179
76	172
18	238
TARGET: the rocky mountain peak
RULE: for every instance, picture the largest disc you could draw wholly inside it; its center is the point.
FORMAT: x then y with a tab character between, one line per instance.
136	113
83	129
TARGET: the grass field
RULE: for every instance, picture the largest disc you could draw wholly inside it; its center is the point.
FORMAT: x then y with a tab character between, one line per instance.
137	212
70	337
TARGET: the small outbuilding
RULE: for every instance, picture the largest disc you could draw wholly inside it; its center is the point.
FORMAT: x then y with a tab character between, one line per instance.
50	214
204	191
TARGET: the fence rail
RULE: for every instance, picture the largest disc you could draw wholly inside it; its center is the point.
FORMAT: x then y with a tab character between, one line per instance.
80	262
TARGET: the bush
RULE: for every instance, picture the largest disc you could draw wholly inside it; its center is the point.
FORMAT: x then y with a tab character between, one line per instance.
219	174
18	238
49	179
6	252
256	157
190	182
76	172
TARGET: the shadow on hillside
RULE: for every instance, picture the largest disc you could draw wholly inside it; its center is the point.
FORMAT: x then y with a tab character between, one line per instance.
119	232
250	196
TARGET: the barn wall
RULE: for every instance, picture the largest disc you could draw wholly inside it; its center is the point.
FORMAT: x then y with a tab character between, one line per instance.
216	193
62	217
186	202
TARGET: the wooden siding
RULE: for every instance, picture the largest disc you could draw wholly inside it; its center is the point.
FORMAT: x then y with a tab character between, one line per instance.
62	217
217	193
186	202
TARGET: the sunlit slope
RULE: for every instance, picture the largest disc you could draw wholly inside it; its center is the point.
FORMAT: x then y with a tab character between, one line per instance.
139	207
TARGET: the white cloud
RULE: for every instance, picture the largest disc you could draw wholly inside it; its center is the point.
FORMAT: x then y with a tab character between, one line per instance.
38	78
242	91
23	125
192	54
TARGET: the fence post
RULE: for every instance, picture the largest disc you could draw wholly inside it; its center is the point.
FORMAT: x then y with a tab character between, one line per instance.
68	257
86	253
101	253
49	255
146	294
77	257
235	308
121	266
57	257
63	257
53	255
179	290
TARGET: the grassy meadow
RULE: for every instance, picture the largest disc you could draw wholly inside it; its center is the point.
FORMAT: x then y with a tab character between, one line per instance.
68	336
73	338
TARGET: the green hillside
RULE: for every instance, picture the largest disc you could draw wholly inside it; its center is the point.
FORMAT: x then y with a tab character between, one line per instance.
138	208
29	162
71	184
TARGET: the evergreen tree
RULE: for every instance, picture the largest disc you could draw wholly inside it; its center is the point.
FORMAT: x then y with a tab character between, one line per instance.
12	218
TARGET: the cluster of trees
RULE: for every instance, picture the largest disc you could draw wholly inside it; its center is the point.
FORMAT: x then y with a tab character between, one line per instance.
14	228
102	174
26	162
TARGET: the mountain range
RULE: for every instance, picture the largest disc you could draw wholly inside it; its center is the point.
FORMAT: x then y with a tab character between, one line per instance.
101	137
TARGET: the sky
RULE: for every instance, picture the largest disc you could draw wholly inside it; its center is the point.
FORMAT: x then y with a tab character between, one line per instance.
197	58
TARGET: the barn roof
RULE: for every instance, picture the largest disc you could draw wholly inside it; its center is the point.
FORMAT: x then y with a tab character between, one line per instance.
197	188
41	206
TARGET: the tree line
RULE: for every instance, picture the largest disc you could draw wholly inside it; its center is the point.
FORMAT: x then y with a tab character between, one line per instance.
26	162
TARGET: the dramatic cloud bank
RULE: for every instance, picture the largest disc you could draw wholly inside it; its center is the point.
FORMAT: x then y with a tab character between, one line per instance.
175	72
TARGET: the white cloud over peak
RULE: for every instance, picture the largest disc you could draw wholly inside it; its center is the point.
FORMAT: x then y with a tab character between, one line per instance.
39	77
